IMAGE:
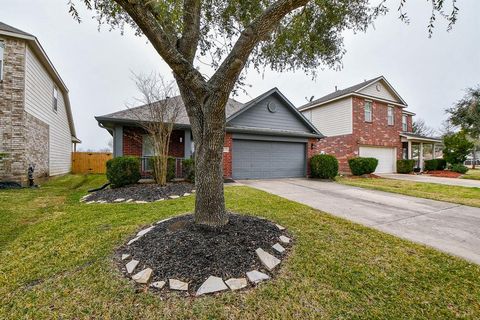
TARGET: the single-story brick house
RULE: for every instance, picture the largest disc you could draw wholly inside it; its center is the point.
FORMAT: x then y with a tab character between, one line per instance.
266	137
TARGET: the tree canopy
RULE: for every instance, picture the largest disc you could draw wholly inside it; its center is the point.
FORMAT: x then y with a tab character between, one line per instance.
466	113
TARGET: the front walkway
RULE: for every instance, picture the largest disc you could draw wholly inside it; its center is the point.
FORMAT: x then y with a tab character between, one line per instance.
430	179
445	226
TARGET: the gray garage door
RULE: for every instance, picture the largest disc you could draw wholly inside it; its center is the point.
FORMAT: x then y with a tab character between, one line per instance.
254	159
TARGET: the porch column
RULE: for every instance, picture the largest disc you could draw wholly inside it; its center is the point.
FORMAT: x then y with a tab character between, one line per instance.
188	144
409	151
420	161
434	154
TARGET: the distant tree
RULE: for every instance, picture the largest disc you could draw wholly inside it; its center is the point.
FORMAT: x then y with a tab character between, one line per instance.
420	127
232	35
160	110
466	114
456	147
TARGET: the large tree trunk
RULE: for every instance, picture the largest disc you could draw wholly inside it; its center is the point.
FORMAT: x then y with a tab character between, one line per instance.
207	118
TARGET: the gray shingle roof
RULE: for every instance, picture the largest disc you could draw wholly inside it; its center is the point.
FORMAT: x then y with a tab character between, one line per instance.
142	113
339	93
8	28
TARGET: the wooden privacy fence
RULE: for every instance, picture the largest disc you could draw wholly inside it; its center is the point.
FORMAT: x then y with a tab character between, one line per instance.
90	162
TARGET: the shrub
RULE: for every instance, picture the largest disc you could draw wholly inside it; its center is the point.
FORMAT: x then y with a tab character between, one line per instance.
460	168
188	166
435	164
405	166
360	166
323	166
171	170
456	147
122	171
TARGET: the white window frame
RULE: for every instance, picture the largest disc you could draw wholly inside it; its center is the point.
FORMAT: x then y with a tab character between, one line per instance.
369	112
404	122
390	115
2	54
55	99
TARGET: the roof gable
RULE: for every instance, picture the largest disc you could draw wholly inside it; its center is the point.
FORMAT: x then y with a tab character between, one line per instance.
378	88
272	111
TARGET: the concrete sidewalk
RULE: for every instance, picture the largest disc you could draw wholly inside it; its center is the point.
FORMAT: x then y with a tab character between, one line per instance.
430	179
445	226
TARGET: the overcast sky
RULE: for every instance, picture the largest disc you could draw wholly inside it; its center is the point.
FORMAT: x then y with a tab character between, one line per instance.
430	74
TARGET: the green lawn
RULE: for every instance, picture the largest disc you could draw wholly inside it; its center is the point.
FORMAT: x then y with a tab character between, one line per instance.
461	195
56	263
473	174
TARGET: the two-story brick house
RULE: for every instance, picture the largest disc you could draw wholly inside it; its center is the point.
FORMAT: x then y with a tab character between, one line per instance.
368	119
36	124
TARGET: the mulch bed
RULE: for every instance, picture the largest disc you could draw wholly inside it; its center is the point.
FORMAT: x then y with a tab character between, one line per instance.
180	249
141	192
10	185
443	173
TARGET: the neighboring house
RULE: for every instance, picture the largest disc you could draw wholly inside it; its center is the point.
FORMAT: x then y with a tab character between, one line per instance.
36	125
368	119
265	138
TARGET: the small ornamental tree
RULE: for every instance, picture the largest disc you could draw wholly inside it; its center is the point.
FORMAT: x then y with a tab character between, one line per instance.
456	148
466	114
234	34
159	111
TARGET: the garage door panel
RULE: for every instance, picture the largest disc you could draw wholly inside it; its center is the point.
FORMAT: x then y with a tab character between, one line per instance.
254	159
386	157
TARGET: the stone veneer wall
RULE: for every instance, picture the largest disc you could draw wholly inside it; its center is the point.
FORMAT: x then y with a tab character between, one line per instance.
37	145
12	116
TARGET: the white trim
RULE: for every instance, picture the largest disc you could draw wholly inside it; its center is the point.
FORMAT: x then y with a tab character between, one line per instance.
354	94
409	113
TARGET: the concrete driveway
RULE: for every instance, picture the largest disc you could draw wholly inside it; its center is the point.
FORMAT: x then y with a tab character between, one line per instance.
445	226
430	179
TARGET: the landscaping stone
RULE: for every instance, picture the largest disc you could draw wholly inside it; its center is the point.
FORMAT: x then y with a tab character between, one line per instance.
143	276
186	194
119	200
158	200
175	284
279	227
211	285
144	231
102	201
132	241
140	201
268	260
157	284
278	247
256	276
236	283
125	256
174	197
90	202
284	239
129	200
158	222
193	191
131	265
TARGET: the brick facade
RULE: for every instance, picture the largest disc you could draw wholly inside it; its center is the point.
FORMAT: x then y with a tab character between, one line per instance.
227	156
37	145
133	142
376	133
12	116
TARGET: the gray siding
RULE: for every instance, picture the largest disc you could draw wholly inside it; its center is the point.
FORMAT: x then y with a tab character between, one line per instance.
258	116
253	159
39	103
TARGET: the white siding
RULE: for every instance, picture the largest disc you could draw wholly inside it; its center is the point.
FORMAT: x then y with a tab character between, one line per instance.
379	90
333	119
39	103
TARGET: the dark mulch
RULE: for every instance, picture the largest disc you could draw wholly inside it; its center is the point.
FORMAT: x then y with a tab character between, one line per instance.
369	175
182	250
142	192
9	185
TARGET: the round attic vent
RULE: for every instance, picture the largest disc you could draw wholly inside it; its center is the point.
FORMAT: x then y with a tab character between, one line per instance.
378	87
271	107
